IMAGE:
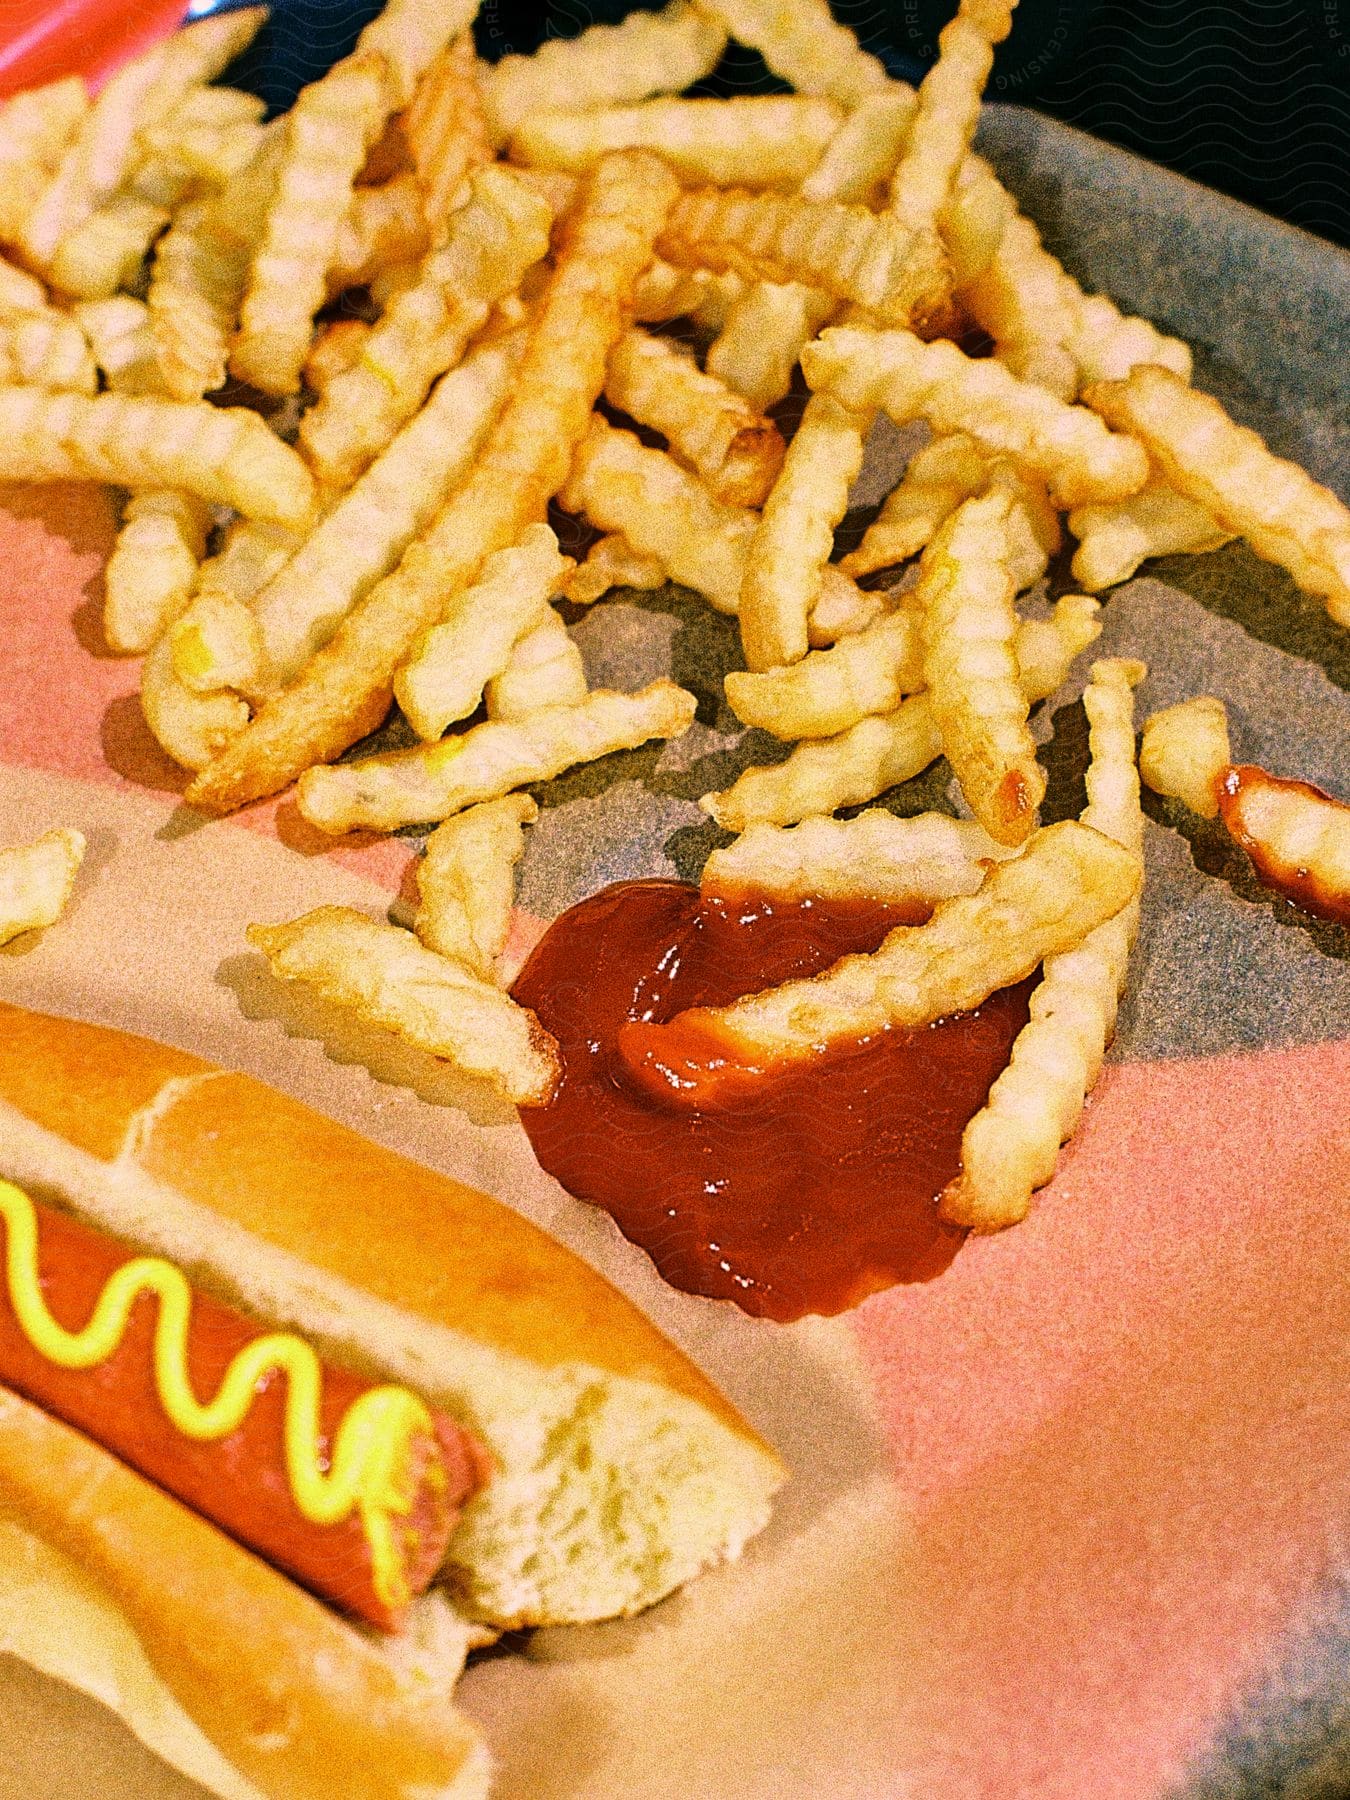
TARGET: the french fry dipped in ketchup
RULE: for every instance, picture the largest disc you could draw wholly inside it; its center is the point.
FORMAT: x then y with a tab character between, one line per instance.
350	1487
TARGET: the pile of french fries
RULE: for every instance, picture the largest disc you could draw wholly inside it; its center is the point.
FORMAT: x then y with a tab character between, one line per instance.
342	362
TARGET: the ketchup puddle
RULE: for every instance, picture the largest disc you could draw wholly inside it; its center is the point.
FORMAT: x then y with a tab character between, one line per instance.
806	1198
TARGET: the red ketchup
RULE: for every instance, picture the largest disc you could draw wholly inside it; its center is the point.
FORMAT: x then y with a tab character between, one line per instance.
239	1482
804	1196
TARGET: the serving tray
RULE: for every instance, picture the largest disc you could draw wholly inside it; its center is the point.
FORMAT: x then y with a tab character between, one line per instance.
1067	1522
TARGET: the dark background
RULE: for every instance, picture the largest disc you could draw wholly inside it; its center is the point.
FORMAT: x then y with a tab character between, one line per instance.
1250	96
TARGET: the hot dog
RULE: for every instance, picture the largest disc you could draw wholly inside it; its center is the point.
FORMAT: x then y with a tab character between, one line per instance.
596	1468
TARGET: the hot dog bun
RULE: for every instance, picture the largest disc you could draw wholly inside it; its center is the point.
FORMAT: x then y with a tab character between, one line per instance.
620	1471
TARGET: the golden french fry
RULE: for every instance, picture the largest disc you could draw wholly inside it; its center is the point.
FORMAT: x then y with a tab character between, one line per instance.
447	130
708	426
803	44
437	780
885	749
612	562
937	479
825	693
215	644
328	131
191	728
843	609
545	669
762	336
1157	521
874	261
862	154
874	856
661	510
214	132
966	590
974	220
1011	1145
36	879
335	349
608	65
103	147
153	567
1286	516
443	680
48	350
223	454
1068	445
948	111
367	531
1067	881
1186	754
606	242
664	292
1022	299
106	250
35	130
466	882
761	141
385	976
1108	345
384	227
409	35
1297	836
792	543
491	242
22	296
1033	523
120	336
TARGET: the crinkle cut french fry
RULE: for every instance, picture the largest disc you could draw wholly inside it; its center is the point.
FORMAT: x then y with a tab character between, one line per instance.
215	644
409	35
1157	521
49	350
436	780
492	241
662	511
211	135
22	296
608	65
191	728
974	219
1108	344
336	349
384	226
443	680
36	880
863	153
873	856
803	45
1286	516
1069	880
545	669
153	567
103	147
1011	1146
105	251
328	131
1297	836
795	534
120	334
35	129
1069	446
196	282
664	292
948	111
606	242
937	479
843	609
223	454
370	527
966	590
612	562
386	977
447	129
885	749
772	140
872	260
1028	308
466	882
825	693
762	337
708	425
1185	753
